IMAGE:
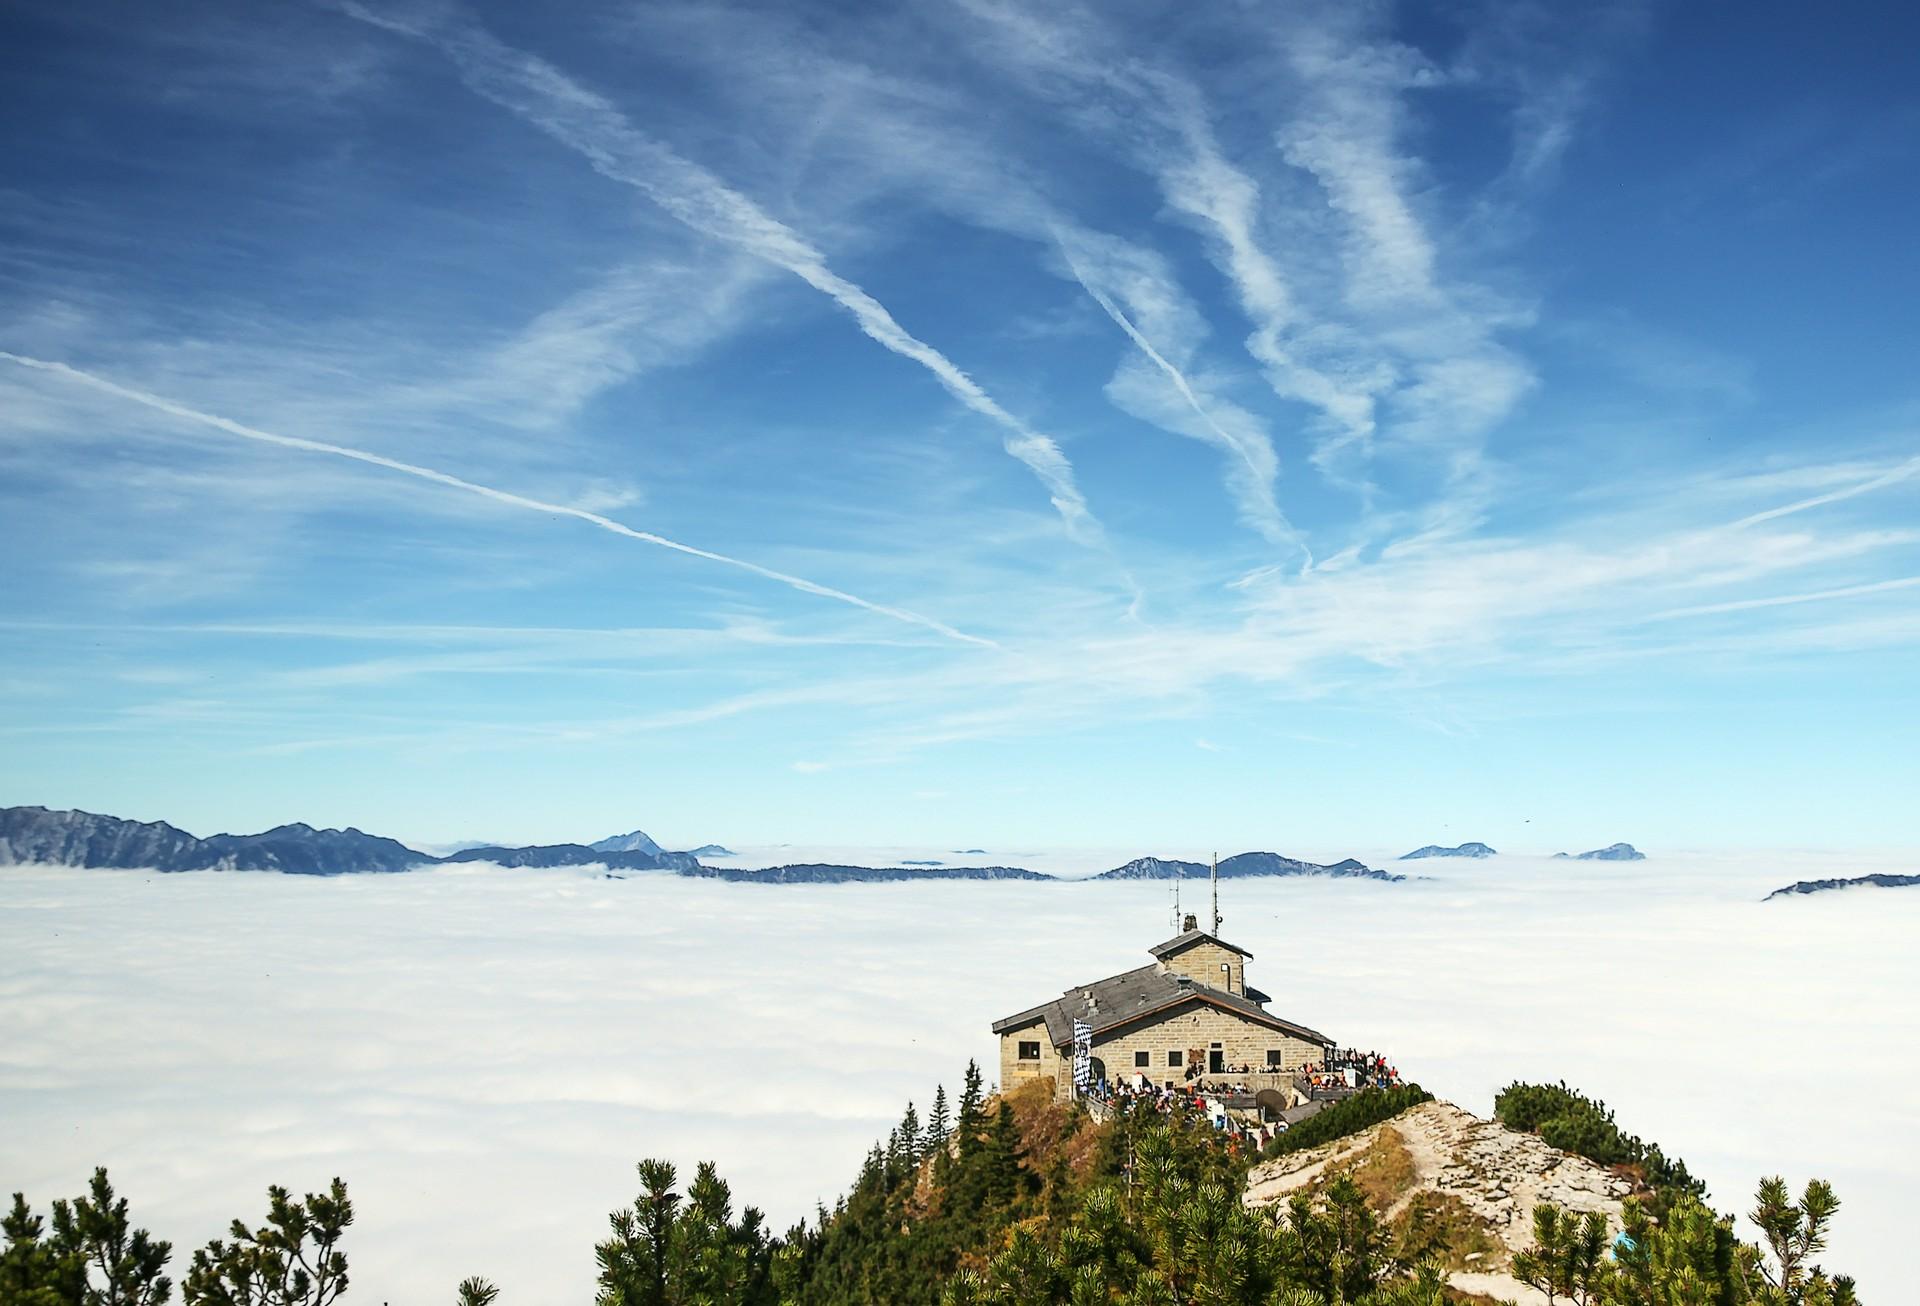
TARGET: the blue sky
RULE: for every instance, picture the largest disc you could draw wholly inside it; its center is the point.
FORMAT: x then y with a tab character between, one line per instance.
1304	426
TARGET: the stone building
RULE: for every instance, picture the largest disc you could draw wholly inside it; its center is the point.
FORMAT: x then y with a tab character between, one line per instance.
1190	1008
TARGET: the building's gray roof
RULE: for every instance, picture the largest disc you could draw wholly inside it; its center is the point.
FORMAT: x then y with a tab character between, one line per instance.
1133	995
1181	942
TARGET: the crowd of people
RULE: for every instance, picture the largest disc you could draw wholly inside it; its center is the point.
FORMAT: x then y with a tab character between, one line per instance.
1350	1068
1209	1101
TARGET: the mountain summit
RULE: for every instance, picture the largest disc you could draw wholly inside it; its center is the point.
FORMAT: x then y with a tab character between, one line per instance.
1460	850
1613	852
1239	866
637	841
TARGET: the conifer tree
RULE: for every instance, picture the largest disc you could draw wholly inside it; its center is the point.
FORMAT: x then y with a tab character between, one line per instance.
477	1292
1565	1259
1001	1155
969	1121
937	1121
291	1260
910	1140
118	1264
33	1271
664	1252
1795	1233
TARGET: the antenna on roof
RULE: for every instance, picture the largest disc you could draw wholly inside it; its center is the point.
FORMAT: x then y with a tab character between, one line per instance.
1179	874
1216	895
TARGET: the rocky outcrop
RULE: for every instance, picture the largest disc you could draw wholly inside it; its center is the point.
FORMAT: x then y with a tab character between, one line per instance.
1490	1176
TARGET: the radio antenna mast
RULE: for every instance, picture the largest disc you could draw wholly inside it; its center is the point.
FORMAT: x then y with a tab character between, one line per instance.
1216	895
1179	875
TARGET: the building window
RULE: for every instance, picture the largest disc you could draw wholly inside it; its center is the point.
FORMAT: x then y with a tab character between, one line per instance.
1174	1058
1274	1058
1143	1059
1030	1051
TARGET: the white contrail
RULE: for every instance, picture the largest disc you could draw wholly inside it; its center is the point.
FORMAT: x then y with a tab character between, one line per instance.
1782	600
593	127
1272	522
1892	476
231	427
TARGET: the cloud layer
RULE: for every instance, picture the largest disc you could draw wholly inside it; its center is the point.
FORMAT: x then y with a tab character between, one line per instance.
484	1054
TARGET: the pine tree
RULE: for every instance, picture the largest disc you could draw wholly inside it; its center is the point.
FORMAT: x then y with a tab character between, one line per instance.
969	1121
94	1231
291	1260
1565	1261
665	1252
33	1271
937	1121
1001	1154
910	1140
1796	1233
477	1292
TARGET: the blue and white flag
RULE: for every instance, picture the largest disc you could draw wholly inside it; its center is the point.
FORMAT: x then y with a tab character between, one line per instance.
1082	1055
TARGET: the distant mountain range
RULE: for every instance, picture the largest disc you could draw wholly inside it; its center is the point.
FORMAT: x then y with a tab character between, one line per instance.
577	854
1240	866
34	834
1460	850
1613	852
828	873
1883	881
62	838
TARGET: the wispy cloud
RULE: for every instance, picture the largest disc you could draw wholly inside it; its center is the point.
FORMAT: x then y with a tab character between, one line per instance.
1393	345
590	124
245	432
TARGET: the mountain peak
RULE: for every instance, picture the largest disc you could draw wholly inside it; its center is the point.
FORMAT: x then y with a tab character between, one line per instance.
1459	850
634	841
1613	852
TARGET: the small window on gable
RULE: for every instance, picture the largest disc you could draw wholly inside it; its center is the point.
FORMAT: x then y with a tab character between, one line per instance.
1029	1050
1274	1058
1143	1059
1175	1057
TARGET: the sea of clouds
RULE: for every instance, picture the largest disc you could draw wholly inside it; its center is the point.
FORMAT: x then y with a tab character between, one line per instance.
484	1054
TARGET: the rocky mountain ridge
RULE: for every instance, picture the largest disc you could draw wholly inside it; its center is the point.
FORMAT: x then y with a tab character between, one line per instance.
1459	850
85	839
1880	880
1613	852
1240	866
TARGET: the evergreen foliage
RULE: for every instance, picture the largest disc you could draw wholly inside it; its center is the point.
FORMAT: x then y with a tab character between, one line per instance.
92	1255
663	1253
291	1260
1691	1256
1023	1203
1363	1110
476	1292
1574	1122
1566	1259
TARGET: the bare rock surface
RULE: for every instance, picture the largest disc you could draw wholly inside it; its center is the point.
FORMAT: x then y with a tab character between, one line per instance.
1497	1174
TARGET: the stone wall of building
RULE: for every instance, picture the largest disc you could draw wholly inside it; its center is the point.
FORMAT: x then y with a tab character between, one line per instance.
1242	1042
1211	964
1014	1071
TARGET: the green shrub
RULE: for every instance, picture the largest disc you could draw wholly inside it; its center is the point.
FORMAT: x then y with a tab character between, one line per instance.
1364	1109
1574	1122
